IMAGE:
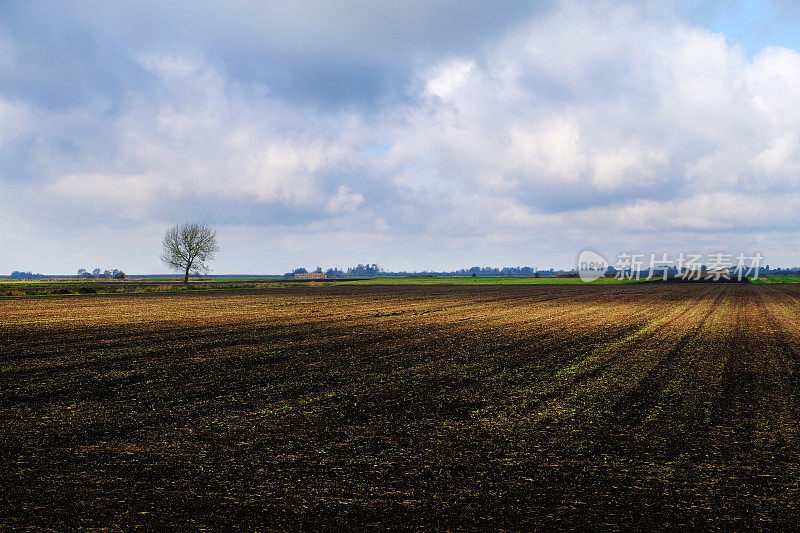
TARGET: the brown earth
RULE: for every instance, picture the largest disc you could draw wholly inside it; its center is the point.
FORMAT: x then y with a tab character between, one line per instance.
495	406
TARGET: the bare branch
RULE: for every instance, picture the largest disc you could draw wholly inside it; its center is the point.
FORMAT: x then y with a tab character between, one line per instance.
189	248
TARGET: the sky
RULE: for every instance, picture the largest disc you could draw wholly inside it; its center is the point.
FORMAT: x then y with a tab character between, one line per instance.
422	134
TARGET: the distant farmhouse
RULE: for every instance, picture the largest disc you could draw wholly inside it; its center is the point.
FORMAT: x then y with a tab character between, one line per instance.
311	275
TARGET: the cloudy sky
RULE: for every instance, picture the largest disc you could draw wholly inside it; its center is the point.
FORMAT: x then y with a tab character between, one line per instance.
419	134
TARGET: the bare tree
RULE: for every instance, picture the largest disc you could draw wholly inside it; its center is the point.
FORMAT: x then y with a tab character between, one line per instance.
189	247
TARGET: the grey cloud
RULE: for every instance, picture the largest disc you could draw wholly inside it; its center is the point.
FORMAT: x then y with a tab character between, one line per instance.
333	52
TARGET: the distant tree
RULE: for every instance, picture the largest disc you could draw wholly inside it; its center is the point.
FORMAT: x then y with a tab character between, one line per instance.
118	274
318	270
20	274
96	272
334	273
189	247
81	271
364	270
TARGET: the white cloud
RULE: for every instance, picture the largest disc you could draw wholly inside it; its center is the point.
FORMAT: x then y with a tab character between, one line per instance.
345	200
607	105
445	80
129	197
204	137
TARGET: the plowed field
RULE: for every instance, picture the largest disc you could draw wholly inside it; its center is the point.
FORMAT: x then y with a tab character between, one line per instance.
508	406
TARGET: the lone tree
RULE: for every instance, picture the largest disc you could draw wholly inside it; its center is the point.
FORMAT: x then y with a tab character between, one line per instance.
189	247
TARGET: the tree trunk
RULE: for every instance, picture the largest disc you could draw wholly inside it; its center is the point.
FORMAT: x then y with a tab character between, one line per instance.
186	277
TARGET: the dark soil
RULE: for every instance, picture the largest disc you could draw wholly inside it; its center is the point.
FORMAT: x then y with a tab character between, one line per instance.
648	406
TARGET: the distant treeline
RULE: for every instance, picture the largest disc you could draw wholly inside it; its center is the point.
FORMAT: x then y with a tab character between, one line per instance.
18	274
82	273
104	274
792	271
373	270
